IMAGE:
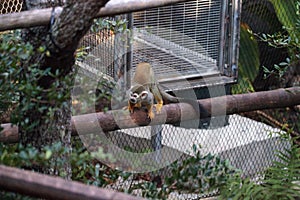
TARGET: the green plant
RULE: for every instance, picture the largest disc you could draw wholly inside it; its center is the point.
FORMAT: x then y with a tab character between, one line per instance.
248	61
288	13
280	181
12	54
85	168
20	86
114	25
198	174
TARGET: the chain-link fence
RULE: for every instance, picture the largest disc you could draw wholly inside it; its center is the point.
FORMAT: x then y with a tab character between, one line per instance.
269	17
10	6
173	37
246	140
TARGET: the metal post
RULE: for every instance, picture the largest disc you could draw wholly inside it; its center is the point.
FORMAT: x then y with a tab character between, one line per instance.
156	141
236	17
224	27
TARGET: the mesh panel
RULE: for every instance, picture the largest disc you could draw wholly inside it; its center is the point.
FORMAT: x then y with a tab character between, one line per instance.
100	49
9	6
260	17
184	37
191	38
188	42
193	25
107	50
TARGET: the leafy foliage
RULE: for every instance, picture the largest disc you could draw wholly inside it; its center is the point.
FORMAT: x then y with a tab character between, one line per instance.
12	54
248	61
85	168
288	13
198	174
249	48
22	90
285	38
280	181
115	25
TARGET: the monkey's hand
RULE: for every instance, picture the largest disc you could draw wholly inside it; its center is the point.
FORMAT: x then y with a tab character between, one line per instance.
150	111
132	106
150	114
125	108
159	106
130	109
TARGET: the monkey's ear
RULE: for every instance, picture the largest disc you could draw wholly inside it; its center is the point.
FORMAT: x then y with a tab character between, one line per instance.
144	95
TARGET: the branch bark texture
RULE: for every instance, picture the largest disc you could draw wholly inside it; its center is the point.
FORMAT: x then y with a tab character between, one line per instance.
41	17
60	40
174	113
49	187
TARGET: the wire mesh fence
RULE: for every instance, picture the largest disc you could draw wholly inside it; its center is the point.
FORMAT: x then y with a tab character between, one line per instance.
10	6
244	140
177	38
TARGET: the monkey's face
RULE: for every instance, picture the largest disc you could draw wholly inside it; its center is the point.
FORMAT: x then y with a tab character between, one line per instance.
135	98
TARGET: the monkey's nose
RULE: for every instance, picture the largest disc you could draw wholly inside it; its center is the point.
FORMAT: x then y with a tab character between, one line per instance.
133	100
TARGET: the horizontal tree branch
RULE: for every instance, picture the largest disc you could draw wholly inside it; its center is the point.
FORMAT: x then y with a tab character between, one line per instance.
41	17
49	187
174	113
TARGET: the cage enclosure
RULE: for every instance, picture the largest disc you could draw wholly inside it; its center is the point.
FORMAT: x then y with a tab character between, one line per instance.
188	41
190	45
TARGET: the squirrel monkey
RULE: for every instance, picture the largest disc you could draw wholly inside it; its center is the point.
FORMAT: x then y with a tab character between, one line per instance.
139	99
145	89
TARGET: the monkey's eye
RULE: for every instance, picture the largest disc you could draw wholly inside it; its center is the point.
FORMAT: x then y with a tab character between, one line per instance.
134	95
144	95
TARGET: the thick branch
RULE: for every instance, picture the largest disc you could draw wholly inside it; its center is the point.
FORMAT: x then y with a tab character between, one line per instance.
41	17
61	39
174	113
66	32
49	187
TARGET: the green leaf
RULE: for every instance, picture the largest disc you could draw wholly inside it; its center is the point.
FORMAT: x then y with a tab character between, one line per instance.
249	55
48	154
286	12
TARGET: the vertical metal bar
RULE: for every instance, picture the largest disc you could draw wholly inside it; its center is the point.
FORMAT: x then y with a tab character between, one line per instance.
208	26
116	52
235	36
156	141
129	54
224	23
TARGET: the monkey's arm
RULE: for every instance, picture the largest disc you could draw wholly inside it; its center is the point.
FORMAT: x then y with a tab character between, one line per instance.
158	97
148	102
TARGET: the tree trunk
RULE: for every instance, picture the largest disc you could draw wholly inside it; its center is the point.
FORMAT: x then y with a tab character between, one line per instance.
51	124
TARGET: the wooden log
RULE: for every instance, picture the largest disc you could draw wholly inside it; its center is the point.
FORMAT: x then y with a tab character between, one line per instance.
175	113
41	17
9	134
49	187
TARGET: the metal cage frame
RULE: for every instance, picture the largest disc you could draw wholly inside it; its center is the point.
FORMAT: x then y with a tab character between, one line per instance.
226	62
